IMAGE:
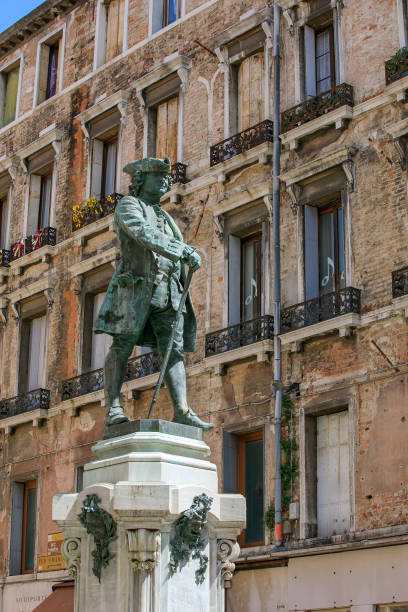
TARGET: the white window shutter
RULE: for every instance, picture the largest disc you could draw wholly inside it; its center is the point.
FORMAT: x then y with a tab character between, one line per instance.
311	252
310	62
333	496
100	342
110	170
33	204
36	353
97	164
234	280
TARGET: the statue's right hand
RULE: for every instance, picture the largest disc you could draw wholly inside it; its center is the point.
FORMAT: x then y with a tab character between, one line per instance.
192	259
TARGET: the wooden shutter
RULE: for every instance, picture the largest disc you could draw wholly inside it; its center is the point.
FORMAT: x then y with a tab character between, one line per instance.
333	497
100	342
33	203
311	252
250	484
10	102
16	537
166	129
310	62
45	201
29	524
114	34
97	168
229	462
36	353
109	166
250	91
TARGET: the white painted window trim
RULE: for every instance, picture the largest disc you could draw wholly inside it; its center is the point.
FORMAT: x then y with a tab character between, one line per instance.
164	28
101	26
41	42
119	99
20	60
51	137
402	23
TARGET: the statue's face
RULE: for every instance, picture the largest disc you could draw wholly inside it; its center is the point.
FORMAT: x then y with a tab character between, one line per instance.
155	185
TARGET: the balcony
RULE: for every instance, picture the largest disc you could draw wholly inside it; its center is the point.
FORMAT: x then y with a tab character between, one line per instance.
242	142
31	406
178	173
138	367
238	336
339	311
92	209
47	236
331	107
400	282
4	258
397	66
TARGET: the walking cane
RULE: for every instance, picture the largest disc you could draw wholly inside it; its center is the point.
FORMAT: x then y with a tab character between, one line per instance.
171	341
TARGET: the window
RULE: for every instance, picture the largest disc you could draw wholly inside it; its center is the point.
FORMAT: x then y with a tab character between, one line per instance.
33	352
110	30
245	278
95	346
332	472
40	200
9	80
324	250
164	13
79	473
4	210
319	57
50	68
104	155
23	527
243	463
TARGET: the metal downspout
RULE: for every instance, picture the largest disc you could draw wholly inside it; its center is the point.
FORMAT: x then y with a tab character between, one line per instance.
277	374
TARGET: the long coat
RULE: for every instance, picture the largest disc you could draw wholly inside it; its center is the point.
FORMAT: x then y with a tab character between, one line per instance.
126	305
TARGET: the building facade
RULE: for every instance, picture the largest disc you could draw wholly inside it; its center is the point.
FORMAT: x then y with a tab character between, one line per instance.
89	85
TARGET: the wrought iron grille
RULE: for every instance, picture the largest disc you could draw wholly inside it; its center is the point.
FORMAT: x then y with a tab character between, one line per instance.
400	282
316	107
235	336
178	173
320	309
138	367
27	402
397	66
92	209
42	237
245	140
5	257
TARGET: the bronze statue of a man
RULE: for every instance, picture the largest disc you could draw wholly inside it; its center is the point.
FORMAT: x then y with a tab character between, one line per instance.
144	294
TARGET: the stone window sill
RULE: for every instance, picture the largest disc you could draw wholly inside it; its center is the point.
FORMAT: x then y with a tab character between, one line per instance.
343	324
36	417
44	254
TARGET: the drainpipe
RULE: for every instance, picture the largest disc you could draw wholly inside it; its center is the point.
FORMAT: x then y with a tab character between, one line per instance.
277	374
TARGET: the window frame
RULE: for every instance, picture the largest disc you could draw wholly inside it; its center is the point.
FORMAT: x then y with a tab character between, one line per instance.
255	237
17	61
323	210
28	485
39	310
241	440
330	29
50	39
101	33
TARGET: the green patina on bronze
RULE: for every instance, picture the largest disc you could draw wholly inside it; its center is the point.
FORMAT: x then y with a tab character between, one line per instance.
188	541
102	527
144	294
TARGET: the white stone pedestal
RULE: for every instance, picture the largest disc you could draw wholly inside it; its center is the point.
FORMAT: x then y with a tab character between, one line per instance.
145	481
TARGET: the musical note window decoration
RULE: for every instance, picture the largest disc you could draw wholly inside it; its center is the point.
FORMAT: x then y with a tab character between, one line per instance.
331	249
251	281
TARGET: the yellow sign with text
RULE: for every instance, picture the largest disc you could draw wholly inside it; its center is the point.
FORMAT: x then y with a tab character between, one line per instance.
50	563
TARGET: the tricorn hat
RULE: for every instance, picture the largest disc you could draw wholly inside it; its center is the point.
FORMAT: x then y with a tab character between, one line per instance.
148	164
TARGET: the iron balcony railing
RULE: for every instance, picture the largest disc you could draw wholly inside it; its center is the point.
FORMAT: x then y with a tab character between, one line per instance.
322	308
245	140
316	107
42	237
178	173
92	209
400	282
235	336
138	367
27	402
5	258
397	66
